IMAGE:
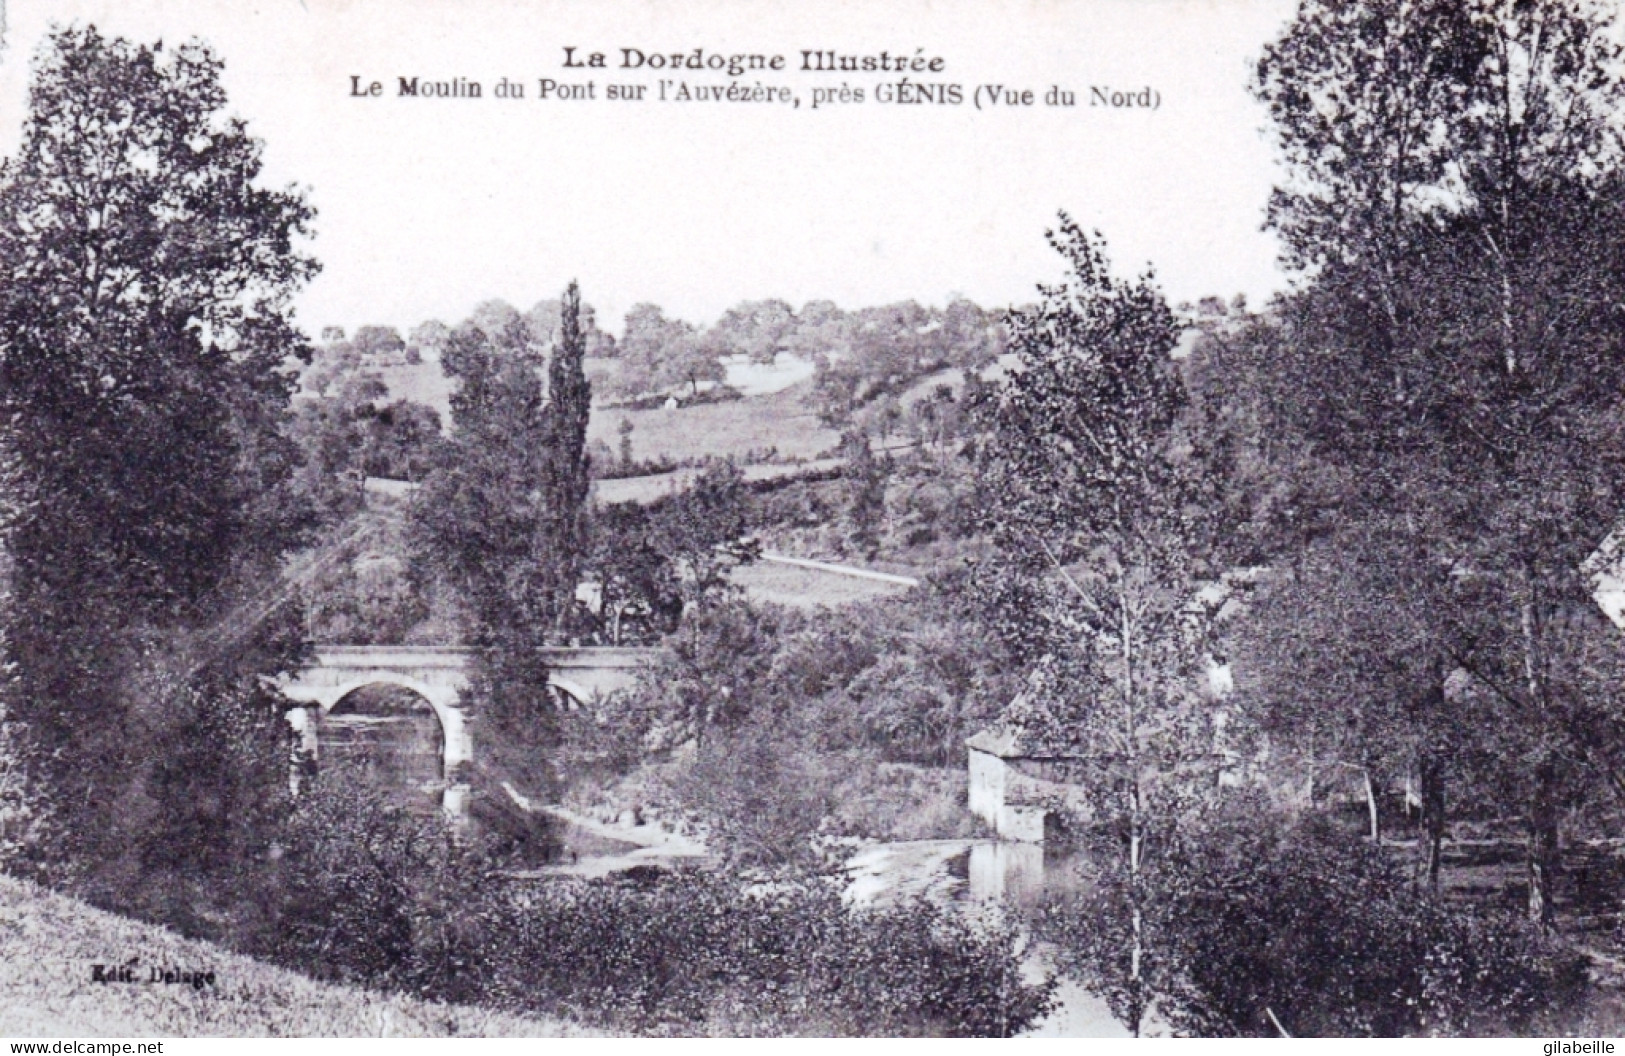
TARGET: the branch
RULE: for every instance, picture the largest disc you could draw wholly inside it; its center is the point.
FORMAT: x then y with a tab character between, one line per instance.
1090	603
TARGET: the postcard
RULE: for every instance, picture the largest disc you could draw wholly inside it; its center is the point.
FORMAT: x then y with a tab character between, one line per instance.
535	518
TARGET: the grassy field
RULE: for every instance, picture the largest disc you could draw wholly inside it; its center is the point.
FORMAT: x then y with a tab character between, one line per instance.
734	427
806	588
420	383
49	943
659	485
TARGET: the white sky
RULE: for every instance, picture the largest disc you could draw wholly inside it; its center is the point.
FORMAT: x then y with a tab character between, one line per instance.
428	207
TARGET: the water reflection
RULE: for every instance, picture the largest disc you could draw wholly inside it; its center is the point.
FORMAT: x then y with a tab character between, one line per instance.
1006	872
974	875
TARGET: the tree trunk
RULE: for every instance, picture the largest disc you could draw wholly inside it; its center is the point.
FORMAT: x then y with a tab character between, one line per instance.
1431	839
1136	805
1371	805
1543	843
1431	777
1543	807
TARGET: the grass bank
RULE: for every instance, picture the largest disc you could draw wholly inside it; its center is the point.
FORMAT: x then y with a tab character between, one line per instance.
50	944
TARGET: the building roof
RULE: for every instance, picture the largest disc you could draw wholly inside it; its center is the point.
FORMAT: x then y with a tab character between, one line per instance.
1023	731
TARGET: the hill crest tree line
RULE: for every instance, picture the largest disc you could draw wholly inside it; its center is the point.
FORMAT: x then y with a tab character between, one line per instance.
858	355
1415	452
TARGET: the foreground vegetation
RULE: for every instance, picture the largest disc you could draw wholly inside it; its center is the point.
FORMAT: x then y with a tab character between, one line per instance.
51	943
378	897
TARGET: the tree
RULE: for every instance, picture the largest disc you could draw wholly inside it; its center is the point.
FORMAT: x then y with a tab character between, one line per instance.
822	333
878	352
640	597
546	322
378	341
478	520
1455	218
331	433
704	532
658	353
624	430
145	333
567	474
501	519
759	330
428	336
401	440
496	316
651	564
970	337
1341	657
866	478
1281	925
1088	489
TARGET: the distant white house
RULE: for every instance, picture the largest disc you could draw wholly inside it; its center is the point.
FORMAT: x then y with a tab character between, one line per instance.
1605	570
1017	781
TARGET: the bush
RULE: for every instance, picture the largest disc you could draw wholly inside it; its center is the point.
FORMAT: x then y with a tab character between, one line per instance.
377	897
692	951
1262	918
763	798
361	884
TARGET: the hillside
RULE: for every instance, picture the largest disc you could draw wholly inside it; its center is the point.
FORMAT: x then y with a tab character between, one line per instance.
49	943
779	420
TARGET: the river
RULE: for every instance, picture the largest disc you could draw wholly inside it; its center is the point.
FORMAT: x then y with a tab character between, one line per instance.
965	876
973	876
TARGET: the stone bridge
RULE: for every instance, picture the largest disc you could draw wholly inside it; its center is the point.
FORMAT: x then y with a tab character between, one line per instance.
439	675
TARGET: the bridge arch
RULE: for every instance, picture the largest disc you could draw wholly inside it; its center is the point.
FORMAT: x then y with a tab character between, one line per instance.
442	700
389	735
573	693
438	674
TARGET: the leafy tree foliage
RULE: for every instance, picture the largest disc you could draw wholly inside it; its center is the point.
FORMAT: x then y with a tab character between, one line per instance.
1085	475
566	473
427	337
401	441
861	356
1458	325
548	327
759	330
145	334
501	518
878	352
378	341
1341	655
865	477
639	597
1266	926
658	353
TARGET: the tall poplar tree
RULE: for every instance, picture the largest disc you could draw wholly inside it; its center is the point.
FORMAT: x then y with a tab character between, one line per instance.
1093	496
567	473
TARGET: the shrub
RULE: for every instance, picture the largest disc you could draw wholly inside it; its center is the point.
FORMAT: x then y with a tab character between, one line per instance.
358	885
762	797
1259	921
694	951
377	897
